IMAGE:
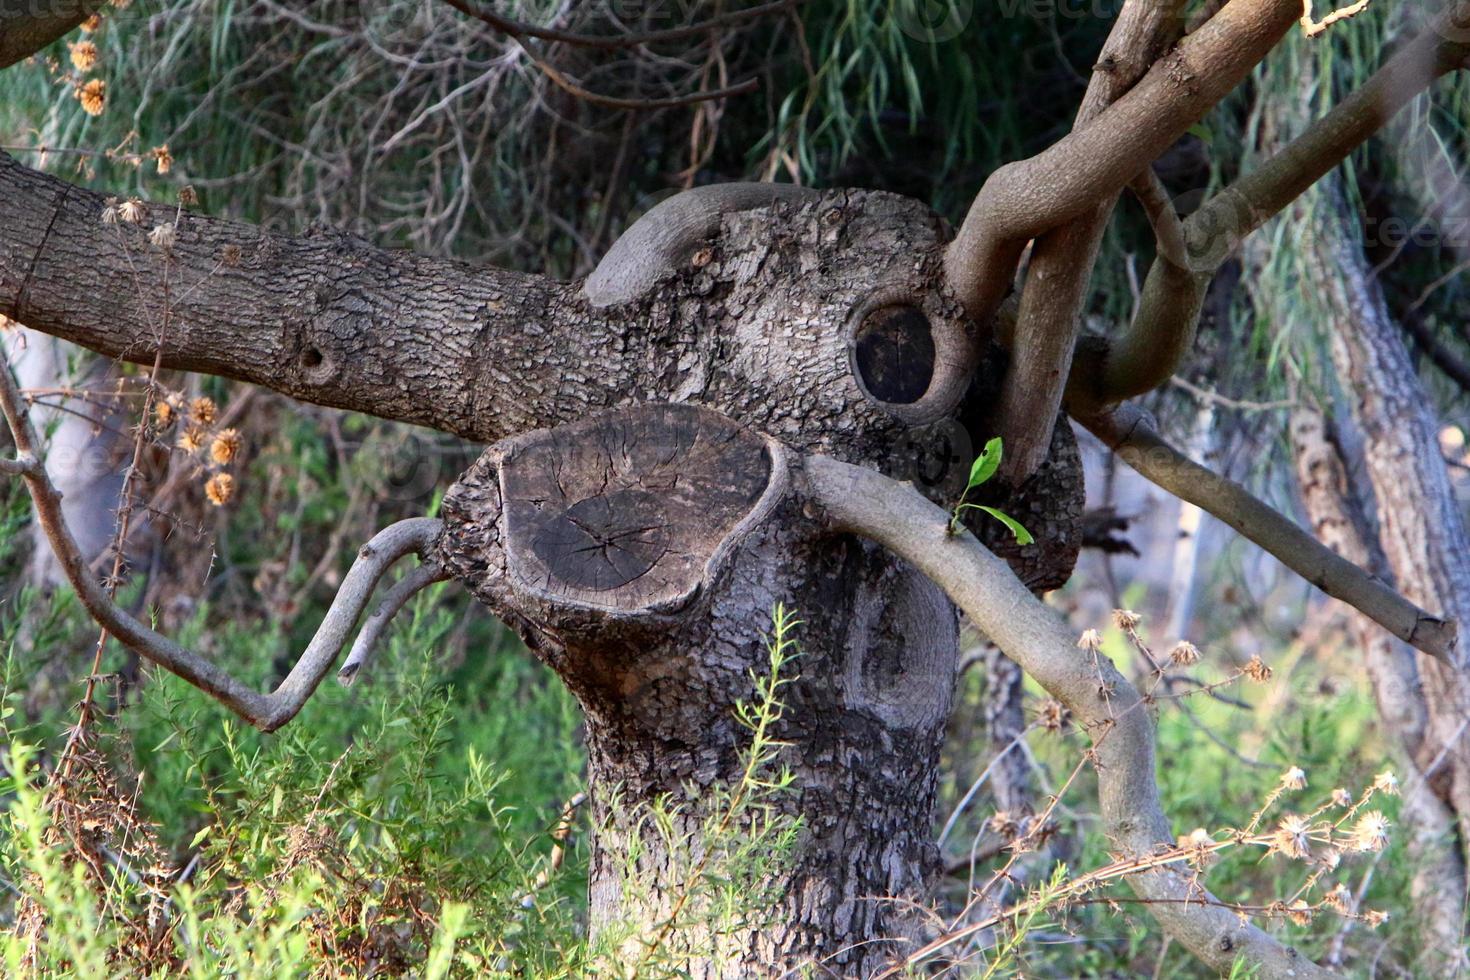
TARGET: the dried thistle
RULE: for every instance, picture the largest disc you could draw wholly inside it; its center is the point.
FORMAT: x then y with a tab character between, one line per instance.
1386	782
1090	640
230	255
83	55
93	96
1184	654
109	211
1370	833
164	158
1126	619
1299	912
1339	899
90	25
164	414
219	489
1292	837
1257	670
1293	779
163	236
1341	797
191	440
1375	918
225	447
1052	715
132	211
202	410
188	196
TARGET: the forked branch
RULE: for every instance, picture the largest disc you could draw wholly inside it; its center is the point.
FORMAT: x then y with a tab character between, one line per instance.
265	711
1151	349
861	501
1130	433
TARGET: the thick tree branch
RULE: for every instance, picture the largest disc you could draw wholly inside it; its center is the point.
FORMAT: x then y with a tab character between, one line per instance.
862	501
324	317
1049	318
1130	434
265	711
1150	350
1022	200
27	26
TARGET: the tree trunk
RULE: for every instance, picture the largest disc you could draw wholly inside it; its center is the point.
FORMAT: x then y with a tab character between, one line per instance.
1338	518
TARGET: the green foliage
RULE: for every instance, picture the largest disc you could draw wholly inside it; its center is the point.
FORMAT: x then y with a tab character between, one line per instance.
981	470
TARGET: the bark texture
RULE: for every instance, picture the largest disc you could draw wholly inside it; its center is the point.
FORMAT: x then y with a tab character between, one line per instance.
863	724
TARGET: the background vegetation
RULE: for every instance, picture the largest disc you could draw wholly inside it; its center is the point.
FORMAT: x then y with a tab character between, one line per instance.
423	822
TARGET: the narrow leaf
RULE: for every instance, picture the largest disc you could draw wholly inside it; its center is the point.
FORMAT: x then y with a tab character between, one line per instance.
1023	536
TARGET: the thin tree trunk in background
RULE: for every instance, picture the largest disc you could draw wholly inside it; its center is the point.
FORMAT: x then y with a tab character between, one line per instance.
1420	527
1184	576
1337	516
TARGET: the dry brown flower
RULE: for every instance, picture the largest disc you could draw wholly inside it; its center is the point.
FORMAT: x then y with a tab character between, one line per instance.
109	211
1341	797
1292	836
1339	898
93	96
83	55
163	236
1386	782
226	446
188	196
1257	670
1052	715
1299	912
1090	640
230	255
202	410
1294	778
164	157
1126	619
132	211
1184	654
1375	918
90	25
191	440
1370	833
164	414
219	489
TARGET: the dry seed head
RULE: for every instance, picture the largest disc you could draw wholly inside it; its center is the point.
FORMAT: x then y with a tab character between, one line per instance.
164	414
93	97
230	255
109	211
1370	833
1386	782
1339	898
188	196
1330	859
1294	778
1184	654
191	440
202	410
1126	619
1341	797
1299	912
1006	824
219	489
163	236
132	211
1291	836
1257	670
1375	918
1090	640
91	24
164	157
83	55
1052	715
225	447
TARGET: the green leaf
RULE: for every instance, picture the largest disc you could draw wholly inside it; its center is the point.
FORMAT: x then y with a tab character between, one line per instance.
1202	131
203	833
1023	536
985	464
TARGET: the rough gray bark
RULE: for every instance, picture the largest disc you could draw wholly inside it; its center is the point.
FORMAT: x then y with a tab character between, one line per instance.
1421	529
26	26
1339	520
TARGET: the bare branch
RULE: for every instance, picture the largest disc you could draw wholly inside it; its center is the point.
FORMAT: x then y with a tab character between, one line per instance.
377	622
1129	432
265	711
862	501
1150	350
1022	200
323	317
27	26
1049	318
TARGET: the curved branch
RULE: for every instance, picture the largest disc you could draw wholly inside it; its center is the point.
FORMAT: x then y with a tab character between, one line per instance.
1024	199
323	317
619	41
27	26
862	501
377	622
1150	350
1049	318
1128	431
265	711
